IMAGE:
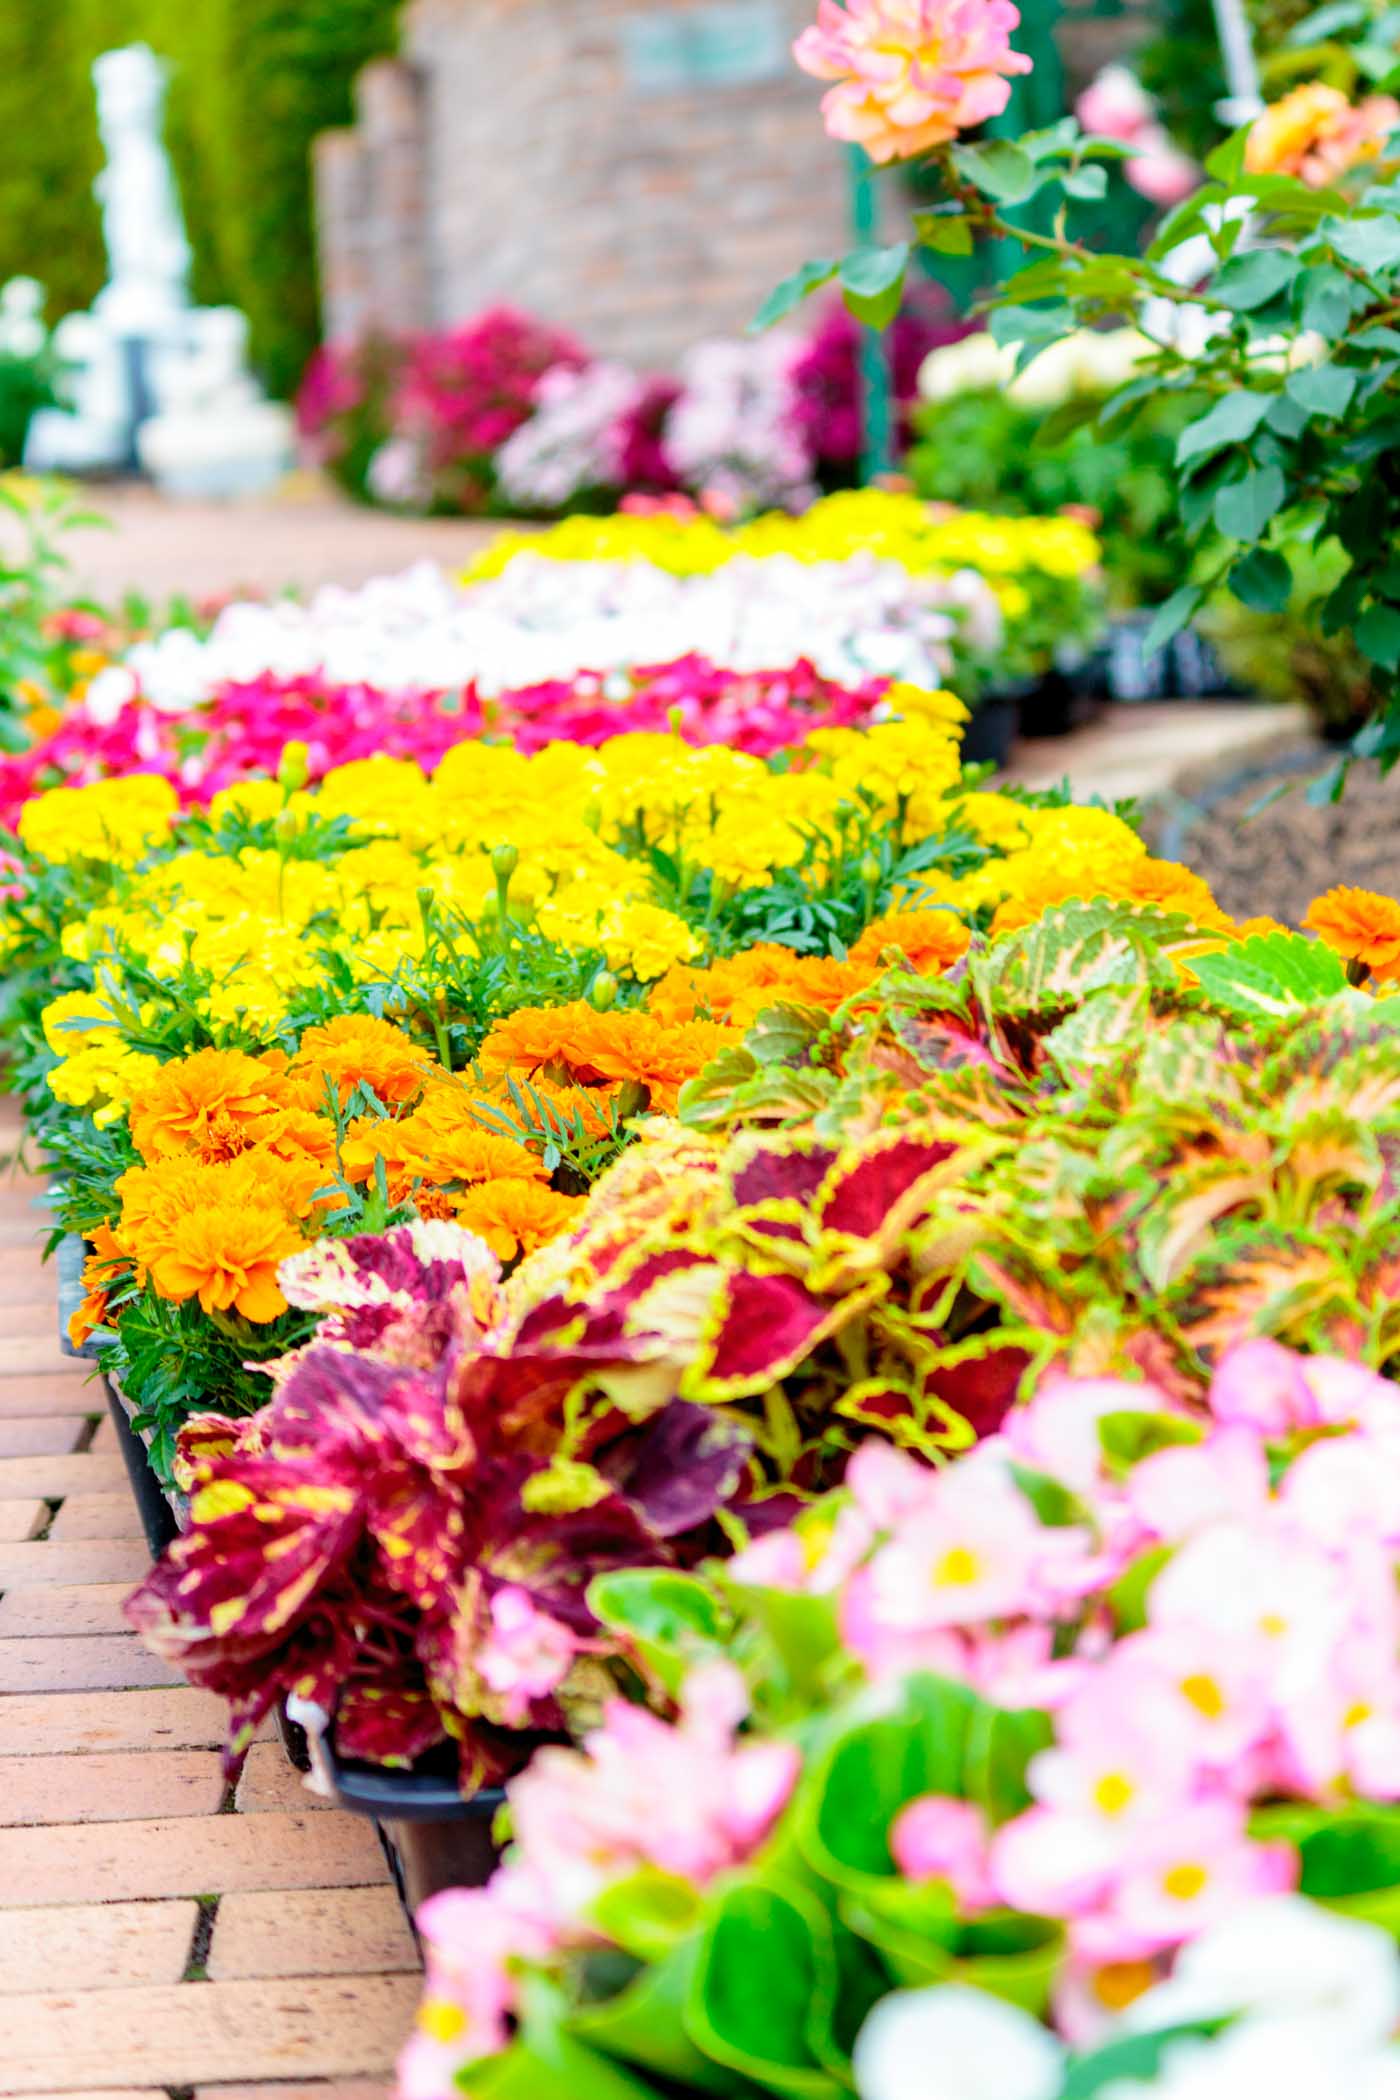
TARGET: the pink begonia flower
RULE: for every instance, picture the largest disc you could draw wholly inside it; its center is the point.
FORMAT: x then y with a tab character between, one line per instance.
1211	1696
471	1938
911	74
1347	1487
685	1797
1057	1431
1262	1383
1089	1997
812	1557
1179	1491
1253	1582
1350	1394
527	1654
937	1838
1197	1869
976	1552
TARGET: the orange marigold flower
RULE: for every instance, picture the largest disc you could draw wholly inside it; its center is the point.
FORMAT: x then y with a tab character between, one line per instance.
741	986
100	1274
296	1136
931	941
575	1043
227	1256
515	1217
203	1104
1361	925
478	1155
354	1049
371	1138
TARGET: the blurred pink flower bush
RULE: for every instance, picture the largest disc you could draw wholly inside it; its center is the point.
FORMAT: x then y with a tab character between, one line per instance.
826	381
1116	105
911	74
505	415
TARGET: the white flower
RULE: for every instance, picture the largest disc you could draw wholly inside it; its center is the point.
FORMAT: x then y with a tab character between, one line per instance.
954	2043
1284	1956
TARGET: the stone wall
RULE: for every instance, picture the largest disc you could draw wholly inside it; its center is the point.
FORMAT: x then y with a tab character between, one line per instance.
548	152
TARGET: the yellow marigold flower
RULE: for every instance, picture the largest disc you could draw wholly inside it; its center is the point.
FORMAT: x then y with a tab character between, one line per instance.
112	820
646	940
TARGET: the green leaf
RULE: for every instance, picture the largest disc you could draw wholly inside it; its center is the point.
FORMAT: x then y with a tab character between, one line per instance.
946	232
1129	1434
1378	635
1061	423
766	1973
673	1619
647	1913
1127	1597
872	283
1329	299
1262	580
1135	2058
998	169
1243	508
1089	183
1171	616
1231	420
786	297
1054	1503
1372	244
643	2024
1285	418
1226	161
1325	390
1000	1746
1271	973
848	1801
801	1631
1247	282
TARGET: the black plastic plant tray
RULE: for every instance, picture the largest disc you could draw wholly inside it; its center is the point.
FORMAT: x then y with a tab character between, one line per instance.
158	1511
432	1837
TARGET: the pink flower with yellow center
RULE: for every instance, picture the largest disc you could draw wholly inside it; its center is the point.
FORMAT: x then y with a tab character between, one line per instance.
911	74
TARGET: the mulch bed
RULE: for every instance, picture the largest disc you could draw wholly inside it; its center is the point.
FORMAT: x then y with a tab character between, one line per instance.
1275	855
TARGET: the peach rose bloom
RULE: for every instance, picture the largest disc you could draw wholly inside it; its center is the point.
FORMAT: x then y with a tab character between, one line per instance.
1316	134
911	74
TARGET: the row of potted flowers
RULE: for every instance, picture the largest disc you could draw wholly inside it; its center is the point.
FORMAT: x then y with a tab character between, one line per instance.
642	622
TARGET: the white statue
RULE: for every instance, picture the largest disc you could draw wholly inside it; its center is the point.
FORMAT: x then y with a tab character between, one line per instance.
148	257
214	434
151	379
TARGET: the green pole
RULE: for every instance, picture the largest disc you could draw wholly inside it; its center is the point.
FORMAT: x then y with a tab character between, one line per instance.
876	393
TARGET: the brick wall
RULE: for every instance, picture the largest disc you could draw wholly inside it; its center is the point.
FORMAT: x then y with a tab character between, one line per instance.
513	153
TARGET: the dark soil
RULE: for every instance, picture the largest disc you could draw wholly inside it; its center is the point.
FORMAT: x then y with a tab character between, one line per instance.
1264	848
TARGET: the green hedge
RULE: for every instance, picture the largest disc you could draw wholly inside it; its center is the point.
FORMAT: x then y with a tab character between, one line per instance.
252	82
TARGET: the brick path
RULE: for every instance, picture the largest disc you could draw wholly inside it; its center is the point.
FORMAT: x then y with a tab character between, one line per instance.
158	1936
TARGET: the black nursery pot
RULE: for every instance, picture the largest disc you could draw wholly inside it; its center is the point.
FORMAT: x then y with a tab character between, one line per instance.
988	737
156	1509
433	1839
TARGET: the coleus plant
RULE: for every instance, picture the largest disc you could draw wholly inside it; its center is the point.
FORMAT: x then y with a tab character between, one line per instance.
399	1537
1063	1722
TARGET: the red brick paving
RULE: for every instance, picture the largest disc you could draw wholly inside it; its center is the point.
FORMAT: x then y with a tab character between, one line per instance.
157	1929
